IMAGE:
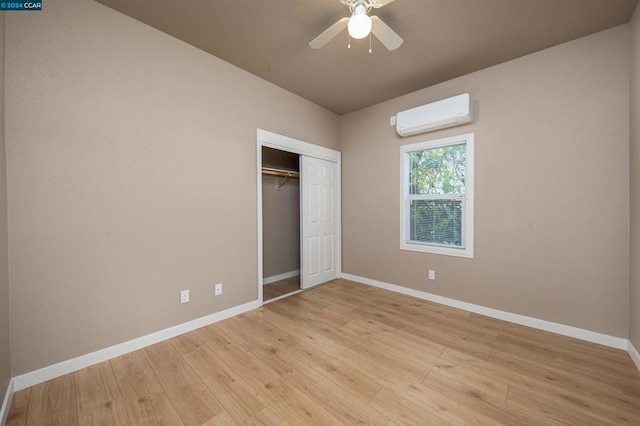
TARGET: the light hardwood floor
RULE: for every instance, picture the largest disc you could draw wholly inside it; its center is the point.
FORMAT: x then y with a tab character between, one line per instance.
280	288
346	353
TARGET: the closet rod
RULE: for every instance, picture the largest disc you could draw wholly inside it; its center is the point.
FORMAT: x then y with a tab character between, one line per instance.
279	172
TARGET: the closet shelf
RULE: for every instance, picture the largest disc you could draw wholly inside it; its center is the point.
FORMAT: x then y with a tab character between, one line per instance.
280	172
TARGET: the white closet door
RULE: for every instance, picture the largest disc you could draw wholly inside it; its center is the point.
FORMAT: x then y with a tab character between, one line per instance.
319	221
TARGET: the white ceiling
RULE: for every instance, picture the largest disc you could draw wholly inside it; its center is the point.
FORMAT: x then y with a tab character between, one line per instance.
443	39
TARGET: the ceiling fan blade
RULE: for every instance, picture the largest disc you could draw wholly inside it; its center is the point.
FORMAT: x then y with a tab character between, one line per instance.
329	33
379	3
386	35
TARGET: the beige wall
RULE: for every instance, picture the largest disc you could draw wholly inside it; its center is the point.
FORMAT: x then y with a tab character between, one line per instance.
552	185
132	162
634	142
281	226
5	370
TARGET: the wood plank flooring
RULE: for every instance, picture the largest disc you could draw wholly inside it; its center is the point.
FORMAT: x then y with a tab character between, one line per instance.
345	353
280	288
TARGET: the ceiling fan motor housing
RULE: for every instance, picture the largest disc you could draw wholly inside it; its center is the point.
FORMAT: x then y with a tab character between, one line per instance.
351	4
360	6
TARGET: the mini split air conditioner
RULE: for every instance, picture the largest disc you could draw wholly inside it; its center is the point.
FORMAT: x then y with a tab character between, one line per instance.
437	115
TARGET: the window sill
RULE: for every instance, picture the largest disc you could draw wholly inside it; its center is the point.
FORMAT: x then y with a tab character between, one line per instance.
447	251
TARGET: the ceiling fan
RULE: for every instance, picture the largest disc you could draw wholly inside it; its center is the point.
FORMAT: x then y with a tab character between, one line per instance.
360	25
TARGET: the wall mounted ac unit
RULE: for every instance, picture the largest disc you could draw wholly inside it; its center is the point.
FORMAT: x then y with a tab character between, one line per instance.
436	115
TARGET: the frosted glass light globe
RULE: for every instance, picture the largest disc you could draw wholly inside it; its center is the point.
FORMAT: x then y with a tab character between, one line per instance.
359	25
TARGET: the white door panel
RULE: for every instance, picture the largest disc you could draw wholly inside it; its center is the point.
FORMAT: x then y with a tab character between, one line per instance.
329	253
319	227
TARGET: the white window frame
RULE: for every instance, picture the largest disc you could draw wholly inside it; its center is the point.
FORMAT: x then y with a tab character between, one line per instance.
405	198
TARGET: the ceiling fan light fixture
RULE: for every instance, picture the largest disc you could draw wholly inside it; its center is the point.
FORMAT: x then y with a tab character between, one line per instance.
359	25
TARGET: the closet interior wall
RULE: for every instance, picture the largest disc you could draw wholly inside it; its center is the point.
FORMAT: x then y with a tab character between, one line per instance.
280	214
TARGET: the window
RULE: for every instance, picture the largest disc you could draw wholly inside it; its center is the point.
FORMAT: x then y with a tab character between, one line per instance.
437	196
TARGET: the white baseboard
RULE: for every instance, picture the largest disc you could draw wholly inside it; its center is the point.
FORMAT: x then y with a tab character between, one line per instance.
6	403
65	367
279	277
565	330
633	353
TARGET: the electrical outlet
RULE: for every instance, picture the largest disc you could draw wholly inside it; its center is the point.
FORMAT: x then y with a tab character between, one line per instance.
218	289
184	296
432	274
392	120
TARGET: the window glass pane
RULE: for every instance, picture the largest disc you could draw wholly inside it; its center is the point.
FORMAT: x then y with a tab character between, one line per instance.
436	222
437	170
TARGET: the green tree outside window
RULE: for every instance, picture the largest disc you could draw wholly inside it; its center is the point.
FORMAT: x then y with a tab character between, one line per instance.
438	174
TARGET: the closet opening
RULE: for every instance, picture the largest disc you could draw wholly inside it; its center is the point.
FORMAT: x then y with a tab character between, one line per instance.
280	223
299	215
